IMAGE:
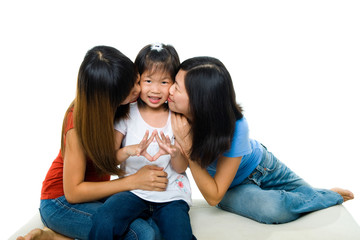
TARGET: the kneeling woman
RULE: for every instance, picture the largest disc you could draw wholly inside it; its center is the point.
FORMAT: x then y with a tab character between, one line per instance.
232	171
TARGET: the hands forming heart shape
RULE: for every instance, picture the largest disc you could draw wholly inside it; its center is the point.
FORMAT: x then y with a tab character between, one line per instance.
165	146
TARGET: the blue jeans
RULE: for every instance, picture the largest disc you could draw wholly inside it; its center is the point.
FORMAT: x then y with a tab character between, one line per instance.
113	218
275	194
75	220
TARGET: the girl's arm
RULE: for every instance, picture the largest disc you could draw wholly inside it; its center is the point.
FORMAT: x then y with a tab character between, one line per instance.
77	190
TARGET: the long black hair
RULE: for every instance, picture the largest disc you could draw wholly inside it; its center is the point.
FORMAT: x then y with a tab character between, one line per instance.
106	77
213	108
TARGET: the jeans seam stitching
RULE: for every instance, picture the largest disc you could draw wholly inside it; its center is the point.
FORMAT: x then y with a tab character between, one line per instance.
130	230
73	209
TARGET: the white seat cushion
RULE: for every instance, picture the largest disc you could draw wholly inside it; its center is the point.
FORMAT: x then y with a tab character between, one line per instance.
211	223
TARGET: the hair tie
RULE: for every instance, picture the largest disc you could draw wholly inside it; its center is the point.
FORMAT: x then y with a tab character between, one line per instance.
157	46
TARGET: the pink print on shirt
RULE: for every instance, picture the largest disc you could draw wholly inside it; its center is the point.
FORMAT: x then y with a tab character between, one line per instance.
180	184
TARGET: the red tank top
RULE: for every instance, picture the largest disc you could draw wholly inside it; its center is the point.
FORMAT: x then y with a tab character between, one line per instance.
53	183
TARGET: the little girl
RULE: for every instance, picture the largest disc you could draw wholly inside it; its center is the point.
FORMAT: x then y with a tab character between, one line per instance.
157	65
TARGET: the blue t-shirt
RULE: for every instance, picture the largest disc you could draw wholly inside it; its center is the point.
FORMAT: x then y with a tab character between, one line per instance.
241	146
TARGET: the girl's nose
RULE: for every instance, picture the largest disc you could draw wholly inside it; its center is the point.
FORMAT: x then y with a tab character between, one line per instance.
155	88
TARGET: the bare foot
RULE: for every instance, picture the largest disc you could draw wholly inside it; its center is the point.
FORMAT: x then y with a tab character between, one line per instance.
346	194
43	234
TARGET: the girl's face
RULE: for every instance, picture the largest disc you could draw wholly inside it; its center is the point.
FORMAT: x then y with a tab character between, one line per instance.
178	98
134	93
155	88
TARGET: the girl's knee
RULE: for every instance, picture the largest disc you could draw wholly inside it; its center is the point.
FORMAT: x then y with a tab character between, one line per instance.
140	230
148	234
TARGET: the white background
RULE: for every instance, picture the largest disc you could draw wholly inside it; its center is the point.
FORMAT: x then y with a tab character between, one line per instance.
295	66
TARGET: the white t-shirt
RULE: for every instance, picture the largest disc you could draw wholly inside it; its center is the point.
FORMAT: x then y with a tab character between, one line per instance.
134	129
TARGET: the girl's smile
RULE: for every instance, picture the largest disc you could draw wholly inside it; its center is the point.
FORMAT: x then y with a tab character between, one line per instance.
154	100
155	88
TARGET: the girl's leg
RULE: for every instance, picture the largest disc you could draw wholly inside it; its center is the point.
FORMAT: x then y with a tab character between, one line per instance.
113	218
275	194
153	227
173	220
141	229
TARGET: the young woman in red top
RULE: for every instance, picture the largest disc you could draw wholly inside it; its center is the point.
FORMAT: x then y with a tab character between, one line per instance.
79	179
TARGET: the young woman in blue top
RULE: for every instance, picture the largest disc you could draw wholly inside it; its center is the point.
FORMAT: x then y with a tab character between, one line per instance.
231	170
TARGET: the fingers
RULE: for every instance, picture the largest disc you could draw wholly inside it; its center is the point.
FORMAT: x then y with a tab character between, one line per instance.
148	157
144	144
157	186
149	141
143	141
146	139
164	145
156	156
179	124
159	179
162	135
158	138
154	133
146	136
157	171
154	167
164	139
160	187
168	141
152	178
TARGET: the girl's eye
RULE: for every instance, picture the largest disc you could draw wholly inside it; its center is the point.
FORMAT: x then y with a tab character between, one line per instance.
148	81
164	82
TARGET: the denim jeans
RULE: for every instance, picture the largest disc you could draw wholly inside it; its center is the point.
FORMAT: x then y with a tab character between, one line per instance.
75	220
114	216
275	194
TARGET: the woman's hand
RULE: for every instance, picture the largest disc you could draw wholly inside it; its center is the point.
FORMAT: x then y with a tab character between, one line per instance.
181	130
151	178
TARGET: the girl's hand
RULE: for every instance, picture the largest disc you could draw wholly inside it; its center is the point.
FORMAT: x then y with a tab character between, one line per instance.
165	146
151	178
140	149
181	129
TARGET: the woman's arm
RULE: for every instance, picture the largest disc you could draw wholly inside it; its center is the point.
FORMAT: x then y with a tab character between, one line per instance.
77	190
179	163
214	188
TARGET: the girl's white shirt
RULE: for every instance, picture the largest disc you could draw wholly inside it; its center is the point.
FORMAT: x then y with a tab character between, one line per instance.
133	130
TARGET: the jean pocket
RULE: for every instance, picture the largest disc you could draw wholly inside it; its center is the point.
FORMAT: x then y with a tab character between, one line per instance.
267	165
